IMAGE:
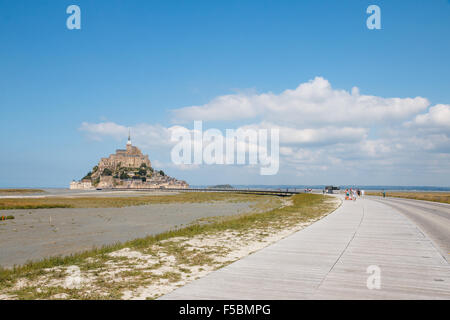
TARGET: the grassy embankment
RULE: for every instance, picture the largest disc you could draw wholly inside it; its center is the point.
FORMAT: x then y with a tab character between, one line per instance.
167	260
20	191
118	202
443	197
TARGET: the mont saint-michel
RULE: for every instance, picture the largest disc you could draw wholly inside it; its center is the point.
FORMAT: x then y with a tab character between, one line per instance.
127	168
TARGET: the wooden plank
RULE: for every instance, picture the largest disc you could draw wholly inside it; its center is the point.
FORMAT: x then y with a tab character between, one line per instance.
329	260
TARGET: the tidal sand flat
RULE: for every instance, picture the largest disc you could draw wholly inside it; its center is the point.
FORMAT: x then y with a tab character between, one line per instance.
40	233
146	268
116	199
67	193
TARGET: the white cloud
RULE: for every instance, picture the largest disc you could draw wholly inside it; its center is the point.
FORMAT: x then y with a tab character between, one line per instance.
96	131
145	135
313	103
314	136
437	117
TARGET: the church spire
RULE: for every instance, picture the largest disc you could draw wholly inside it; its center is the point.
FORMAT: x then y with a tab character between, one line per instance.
129	137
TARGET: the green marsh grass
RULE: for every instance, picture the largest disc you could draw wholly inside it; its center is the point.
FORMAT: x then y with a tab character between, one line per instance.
20	191
118	202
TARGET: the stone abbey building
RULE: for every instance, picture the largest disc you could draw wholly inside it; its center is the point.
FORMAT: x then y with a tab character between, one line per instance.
131	157
127	168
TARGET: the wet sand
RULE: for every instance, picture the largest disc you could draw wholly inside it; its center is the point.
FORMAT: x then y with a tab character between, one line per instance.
67	193
39	233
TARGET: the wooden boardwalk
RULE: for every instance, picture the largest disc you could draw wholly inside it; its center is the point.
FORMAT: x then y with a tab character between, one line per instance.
329	260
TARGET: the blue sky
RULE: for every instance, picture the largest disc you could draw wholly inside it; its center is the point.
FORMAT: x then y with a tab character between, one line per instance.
138	62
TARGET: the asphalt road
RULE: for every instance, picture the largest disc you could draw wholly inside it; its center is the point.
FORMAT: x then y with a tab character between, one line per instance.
432	218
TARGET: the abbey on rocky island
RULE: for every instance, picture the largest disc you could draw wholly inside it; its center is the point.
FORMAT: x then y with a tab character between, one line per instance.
129	169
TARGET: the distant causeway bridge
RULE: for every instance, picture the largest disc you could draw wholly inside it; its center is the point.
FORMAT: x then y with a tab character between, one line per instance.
279	192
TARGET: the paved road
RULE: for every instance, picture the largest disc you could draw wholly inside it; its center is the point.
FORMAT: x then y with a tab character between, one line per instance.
329	260
431	217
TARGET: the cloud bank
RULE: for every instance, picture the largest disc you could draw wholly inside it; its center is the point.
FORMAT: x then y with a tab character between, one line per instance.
325	132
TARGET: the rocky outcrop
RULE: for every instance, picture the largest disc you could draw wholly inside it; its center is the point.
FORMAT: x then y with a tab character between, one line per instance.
127	168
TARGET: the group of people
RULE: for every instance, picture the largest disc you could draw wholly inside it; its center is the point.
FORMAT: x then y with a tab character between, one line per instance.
352	194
